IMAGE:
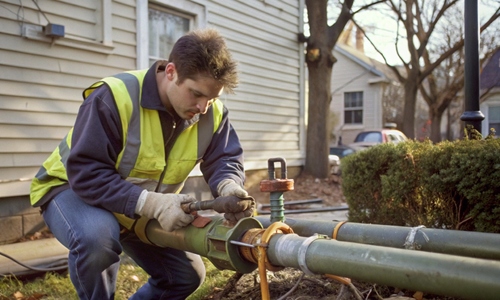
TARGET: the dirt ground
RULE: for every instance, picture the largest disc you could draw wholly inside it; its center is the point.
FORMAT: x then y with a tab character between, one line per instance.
307	187
292	284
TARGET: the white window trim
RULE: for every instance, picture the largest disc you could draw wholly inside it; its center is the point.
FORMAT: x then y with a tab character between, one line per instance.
107	23
198	11
484	108
353	125
36	32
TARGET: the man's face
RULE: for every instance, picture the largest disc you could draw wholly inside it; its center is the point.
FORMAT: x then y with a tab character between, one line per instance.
192	96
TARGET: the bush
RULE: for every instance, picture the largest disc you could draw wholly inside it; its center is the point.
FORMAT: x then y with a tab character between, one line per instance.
450	185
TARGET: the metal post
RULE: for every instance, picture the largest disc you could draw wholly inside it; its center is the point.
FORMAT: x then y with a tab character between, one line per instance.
276	188
472	116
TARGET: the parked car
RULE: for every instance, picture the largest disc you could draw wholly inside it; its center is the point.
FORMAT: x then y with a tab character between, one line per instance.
368	138
341	151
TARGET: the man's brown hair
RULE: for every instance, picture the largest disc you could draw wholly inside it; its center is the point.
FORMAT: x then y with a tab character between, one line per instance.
204	52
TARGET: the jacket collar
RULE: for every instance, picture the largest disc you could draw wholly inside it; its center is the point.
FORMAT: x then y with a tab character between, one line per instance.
151	97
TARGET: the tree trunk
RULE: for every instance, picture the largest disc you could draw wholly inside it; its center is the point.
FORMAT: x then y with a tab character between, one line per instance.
411	88
320	62
320	74
436	118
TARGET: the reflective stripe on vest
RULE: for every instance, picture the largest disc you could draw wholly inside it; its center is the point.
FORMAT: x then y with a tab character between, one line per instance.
53	171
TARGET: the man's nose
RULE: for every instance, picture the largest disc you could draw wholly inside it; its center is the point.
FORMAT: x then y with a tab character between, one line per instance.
203	105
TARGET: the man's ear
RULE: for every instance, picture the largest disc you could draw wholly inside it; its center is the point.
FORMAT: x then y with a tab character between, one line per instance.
170	71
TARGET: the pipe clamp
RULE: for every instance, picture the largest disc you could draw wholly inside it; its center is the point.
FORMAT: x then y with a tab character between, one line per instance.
410	243
303	251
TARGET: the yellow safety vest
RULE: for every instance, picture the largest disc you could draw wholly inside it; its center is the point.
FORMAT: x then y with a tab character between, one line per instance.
143	152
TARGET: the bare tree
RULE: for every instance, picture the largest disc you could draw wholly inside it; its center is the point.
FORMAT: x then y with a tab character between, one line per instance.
391	104
320	61
445	83
419	20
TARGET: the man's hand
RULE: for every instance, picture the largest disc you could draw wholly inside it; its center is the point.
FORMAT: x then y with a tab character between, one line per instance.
228	187
166	208
234	208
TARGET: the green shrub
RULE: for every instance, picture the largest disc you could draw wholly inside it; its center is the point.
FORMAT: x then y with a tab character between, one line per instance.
451	185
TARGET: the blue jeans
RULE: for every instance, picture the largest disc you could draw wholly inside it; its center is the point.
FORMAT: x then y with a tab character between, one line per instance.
92	235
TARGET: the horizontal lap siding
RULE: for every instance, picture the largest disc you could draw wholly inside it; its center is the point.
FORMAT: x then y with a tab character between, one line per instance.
266	109
41	83
349	76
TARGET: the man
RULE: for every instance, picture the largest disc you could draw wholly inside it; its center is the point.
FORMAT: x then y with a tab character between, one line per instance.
136	138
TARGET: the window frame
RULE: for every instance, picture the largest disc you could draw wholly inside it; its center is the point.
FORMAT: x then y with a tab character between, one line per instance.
495	121
196	11
353	109
170	11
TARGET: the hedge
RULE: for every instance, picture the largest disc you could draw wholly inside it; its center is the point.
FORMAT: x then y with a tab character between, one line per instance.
449	185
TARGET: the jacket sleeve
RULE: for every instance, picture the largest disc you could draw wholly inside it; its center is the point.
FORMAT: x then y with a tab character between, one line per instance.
224	156
95	145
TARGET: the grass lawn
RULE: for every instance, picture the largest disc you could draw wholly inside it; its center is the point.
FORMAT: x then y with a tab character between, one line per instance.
130	278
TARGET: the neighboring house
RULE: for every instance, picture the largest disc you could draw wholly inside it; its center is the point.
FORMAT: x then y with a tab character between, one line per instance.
490	107
367	95
44	69
359	84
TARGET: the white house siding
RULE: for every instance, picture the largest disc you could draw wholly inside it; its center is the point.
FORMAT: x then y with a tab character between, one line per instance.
267	108
493	100
350	76
41	80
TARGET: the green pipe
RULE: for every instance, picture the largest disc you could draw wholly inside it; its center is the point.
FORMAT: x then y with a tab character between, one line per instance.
211	241
449	275
276	200
456	242
436	273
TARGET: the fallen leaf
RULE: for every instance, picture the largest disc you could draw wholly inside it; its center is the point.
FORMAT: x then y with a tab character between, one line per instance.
418	295
18	295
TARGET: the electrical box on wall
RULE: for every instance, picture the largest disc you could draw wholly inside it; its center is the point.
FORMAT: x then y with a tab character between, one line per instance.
54	30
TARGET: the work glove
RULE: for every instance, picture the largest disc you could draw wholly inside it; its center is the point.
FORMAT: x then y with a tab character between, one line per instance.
228	187
246	204
166	208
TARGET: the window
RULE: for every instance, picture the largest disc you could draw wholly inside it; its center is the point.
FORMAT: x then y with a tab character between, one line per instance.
165	28
353	108
160	23
494	118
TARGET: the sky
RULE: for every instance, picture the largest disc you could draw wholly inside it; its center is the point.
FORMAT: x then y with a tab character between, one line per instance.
381	28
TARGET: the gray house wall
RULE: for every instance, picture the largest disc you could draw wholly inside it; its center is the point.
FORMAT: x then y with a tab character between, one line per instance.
355	72
42	78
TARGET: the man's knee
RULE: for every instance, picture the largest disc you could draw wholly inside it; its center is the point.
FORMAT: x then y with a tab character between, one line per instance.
99	248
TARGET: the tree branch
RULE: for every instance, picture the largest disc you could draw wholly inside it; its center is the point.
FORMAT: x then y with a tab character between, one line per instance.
368	6
395	70
432	26
457	46
336	28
